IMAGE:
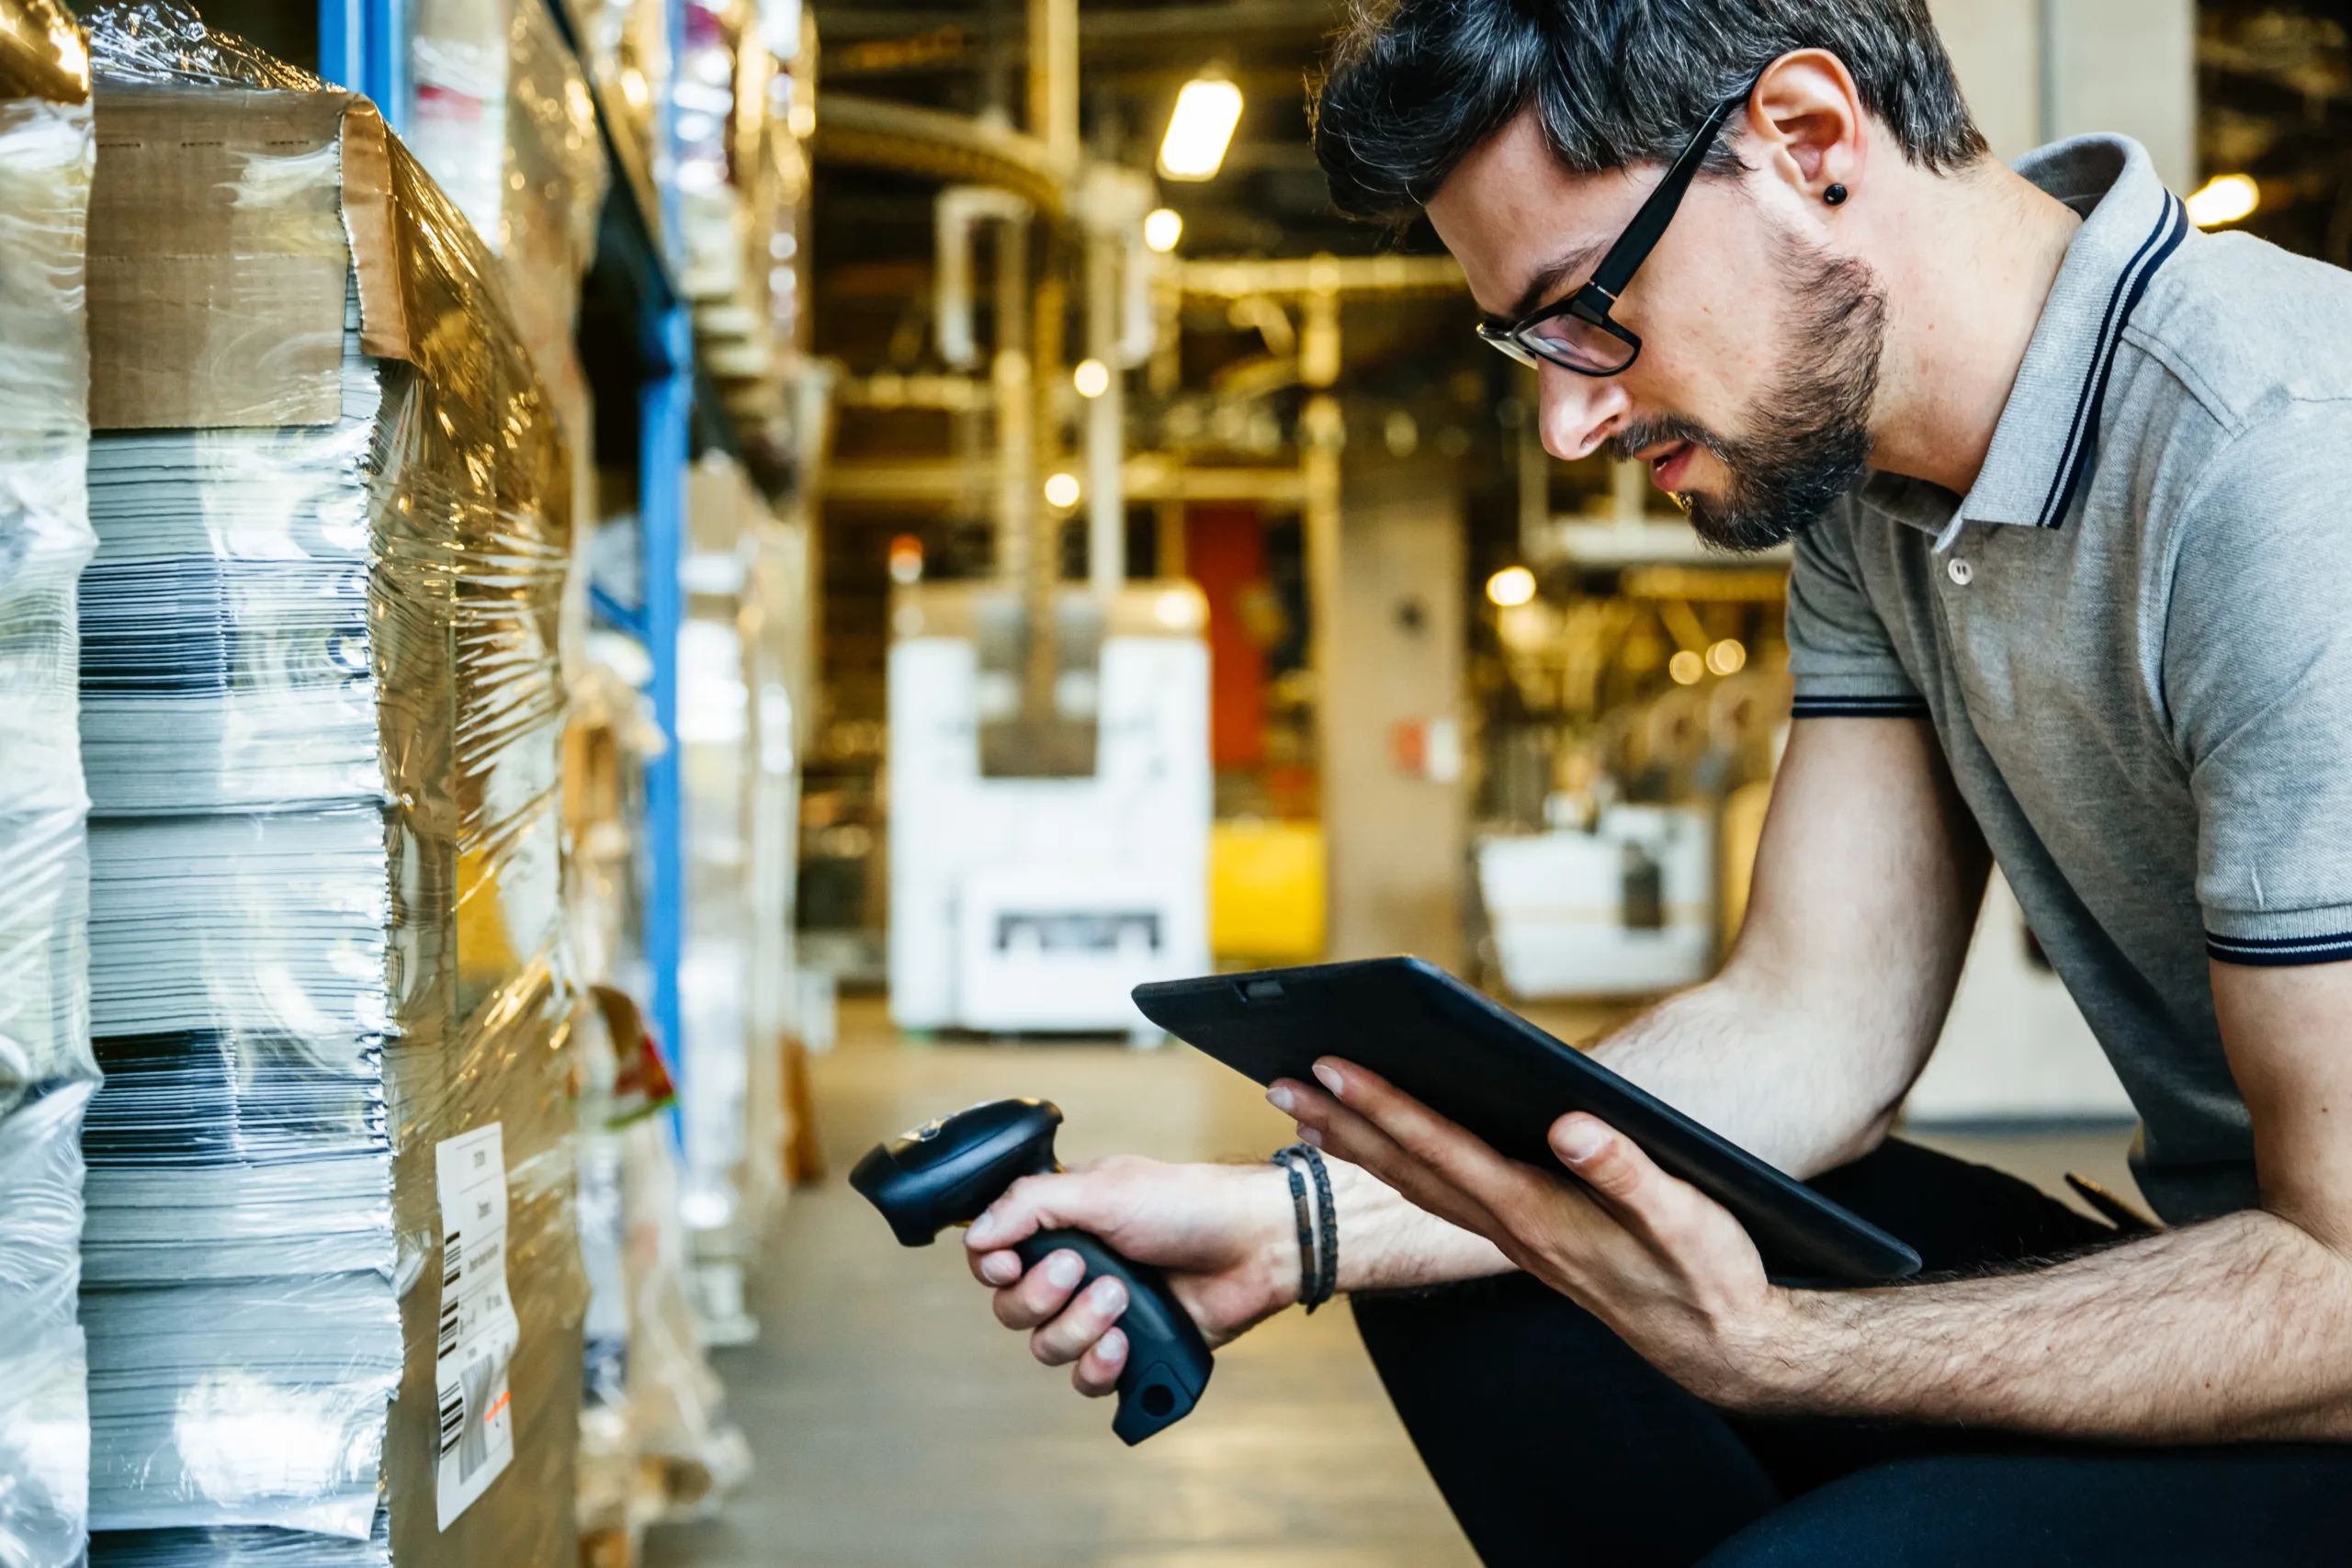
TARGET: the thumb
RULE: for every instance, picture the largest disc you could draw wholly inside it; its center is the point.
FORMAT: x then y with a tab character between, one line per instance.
1065	1200
1608	1162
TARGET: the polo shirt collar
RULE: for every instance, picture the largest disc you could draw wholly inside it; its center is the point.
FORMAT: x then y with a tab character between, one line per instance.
2045	440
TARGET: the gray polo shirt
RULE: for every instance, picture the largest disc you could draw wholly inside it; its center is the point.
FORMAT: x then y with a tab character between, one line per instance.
2133	638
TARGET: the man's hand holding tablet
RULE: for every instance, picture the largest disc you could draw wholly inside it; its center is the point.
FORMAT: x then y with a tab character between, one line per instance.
1670	1269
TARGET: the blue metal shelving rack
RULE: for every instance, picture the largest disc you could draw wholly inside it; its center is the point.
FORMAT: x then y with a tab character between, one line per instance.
363	44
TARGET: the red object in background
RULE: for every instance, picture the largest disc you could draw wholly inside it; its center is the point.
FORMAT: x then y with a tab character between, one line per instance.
1225	552
641	1082
1408	747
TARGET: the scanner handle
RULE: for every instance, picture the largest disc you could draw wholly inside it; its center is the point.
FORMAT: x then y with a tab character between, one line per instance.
1168	1362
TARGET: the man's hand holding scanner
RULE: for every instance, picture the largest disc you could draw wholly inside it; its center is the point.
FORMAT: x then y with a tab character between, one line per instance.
1665	1266
1222	1234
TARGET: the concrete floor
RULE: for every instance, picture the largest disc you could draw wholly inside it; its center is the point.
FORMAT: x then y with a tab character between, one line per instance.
893	1423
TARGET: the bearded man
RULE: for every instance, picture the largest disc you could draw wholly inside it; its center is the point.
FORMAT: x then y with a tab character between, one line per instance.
2072	593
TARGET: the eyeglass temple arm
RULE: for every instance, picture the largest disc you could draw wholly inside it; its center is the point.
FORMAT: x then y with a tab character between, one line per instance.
1641	236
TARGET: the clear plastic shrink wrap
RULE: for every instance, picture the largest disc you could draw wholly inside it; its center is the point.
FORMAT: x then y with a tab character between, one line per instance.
556	177
321	710
627	43
774	624
46	1068
737	734
501	117
715	1050
656	1442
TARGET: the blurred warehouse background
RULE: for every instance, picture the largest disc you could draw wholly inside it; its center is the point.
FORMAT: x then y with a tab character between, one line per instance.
986	535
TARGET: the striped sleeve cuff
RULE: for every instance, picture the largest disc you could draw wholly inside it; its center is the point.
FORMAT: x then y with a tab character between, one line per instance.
2280	952
1812	705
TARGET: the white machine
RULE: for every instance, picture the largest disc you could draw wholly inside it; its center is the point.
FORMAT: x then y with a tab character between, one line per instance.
1624	909
1030	903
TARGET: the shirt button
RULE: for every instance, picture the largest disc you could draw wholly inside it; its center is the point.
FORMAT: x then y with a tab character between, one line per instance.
1960	572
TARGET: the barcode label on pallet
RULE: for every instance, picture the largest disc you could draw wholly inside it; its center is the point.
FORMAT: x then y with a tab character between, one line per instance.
479	1330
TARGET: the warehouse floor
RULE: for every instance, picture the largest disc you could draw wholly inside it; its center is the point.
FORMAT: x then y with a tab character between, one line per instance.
894	1423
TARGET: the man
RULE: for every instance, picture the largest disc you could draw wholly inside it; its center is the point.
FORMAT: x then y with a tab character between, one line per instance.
2066	483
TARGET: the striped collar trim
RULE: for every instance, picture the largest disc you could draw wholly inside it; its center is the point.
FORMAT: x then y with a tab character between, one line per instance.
2048	436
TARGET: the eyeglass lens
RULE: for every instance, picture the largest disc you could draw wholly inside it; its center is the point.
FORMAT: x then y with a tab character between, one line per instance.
1578	344
1567	341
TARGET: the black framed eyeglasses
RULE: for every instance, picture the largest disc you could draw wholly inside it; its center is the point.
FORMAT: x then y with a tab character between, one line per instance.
1577	334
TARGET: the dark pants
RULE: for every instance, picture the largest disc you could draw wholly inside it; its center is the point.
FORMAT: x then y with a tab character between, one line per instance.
1553	1443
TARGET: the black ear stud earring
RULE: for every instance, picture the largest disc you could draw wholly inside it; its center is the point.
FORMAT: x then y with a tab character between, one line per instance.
1834	196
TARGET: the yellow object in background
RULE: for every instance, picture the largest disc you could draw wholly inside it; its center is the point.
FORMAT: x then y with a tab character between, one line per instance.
1266	891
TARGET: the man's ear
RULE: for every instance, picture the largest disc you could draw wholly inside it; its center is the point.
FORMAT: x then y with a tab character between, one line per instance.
1807	120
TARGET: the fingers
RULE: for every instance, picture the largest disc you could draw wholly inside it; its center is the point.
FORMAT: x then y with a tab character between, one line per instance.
1067	1323
1353	1100
1082	1324
1029	1205
1635	1190
1462	1159
1339	1132
1097	1373
1043	1291
1070	1325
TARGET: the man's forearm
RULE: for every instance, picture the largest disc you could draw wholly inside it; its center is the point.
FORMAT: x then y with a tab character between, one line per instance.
1798	1085
2236	1329
1387	1243
1868	879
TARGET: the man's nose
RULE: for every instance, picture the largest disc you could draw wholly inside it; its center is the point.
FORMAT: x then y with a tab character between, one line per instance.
1579	413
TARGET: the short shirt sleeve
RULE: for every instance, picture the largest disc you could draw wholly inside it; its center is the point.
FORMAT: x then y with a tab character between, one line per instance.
1843	662
2258	679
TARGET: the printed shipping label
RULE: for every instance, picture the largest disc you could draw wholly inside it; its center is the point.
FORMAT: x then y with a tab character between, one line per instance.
479	1331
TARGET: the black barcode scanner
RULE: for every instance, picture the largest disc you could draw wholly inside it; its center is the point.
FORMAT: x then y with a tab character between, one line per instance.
944	1172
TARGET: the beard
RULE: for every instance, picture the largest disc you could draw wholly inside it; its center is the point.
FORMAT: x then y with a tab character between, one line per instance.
1815	416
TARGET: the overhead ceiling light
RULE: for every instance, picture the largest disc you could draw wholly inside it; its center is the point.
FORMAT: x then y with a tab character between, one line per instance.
1512	585
1206	111
906	559
1092	377
2224	199
1062	490
1162	228
1179	609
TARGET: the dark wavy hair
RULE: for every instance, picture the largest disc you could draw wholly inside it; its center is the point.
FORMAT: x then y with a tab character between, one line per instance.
1415	84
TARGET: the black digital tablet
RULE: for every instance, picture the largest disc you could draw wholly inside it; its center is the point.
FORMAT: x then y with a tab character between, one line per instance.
1500	1077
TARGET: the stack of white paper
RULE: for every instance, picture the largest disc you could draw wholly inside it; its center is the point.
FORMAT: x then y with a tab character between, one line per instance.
240	1256
238	1548
46	159
224	620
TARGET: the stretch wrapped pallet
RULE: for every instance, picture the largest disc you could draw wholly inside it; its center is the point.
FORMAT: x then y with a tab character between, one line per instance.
500	116
737	732
322	707
46	1068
